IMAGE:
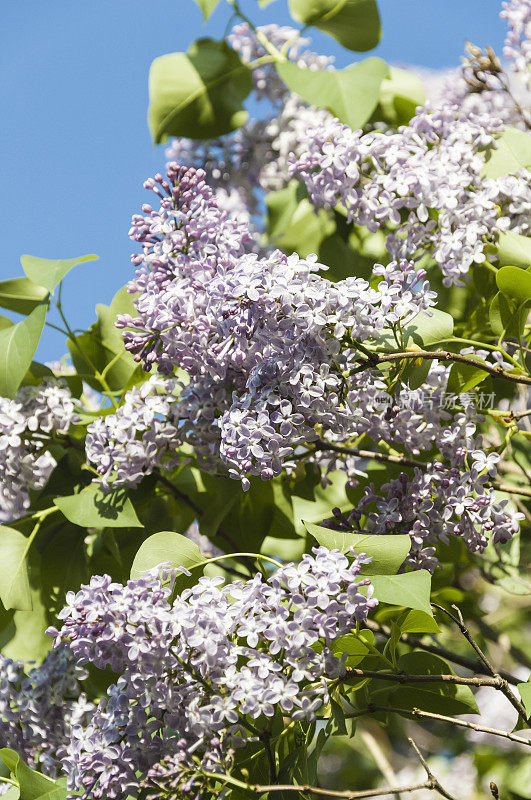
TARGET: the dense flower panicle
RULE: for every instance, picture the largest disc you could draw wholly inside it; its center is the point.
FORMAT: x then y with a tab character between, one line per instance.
268	343
26	422
448	496
192	670
423	180
518	40
38	710
129	444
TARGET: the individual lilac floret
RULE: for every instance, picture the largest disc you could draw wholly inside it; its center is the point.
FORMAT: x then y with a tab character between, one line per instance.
26	423
191	670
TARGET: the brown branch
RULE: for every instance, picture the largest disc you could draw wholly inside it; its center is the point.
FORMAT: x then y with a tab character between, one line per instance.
402	677
444	355
376	456
439	650
514	651
461	723
407	462
347	795
431	777
502	684
510	489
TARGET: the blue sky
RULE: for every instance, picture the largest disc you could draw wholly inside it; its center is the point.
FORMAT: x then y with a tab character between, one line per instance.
74	144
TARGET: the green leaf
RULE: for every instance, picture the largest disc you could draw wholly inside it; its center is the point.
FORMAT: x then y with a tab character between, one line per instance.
198	94
92	508
410	589
17	347
63	565
505	317
167	546
514	249
388	552
525	696
464	377
356	647
21	295
354	23
207	7
428	329
293	224
103	342
440	698
14	579
513	153
33	785
351	94
316	507
336	723
5	322
514	282
400	95
418	622
24	637
49	272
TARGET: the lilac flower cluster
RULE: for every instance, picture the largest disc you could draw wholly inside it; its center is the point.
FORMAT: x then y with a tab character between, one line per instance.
269	344
195	673
447	496
26	424
39	710
518	40
423	182
129	444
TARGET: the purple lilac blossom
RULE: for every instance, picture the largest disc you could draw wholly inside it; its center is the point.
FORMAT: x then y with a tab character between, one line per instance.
39	710
25	463
424	180
138	437
268	343
447	496
518	41
192	670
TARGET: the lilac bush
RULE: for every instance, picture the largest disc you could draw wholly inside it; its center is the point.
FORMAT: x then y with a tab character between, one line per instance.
325	340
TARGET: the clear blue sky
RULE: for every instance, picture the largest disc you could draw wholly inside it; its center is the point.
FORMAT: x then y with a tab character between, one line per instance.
74	145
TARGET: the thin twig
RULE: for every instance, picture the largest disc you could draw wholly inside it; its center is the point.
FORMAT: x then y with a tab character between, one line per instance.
402	677
380	759
502	684
431	777
514	651
302	788
376	456
461	723
407	462
444	355
439	650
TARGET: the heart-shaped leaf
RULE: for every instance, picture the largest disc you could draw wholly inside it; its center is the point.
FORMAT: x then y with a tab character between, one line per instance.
351	94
